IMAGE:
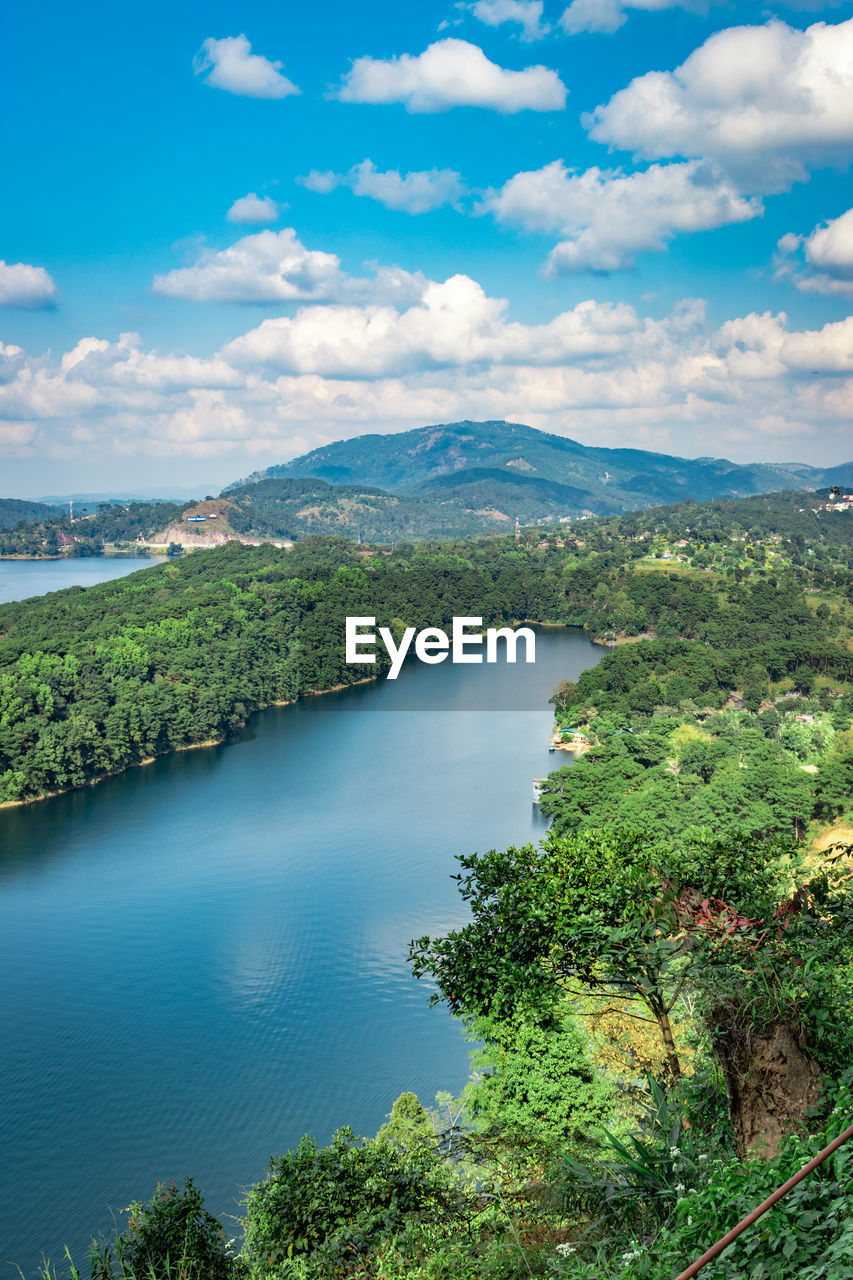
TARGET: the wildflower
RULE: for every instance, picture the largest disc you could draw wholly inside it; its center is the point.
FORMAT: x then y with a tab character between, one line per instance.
704	1157
680	1187
565	1249
673	1151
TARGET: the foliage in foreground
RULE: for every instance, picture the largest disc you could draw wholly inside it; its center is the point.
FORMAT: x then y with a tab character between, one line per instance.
324	1210
171	1238
809	1234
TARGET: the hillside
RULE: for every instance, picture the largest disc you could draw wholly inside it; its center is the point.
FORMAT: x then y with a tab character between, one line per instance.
295	508
489	463
15	511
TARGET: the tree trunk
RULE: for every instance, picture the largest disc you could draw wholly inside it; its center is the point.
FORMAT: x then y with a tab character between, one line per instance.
659	1010
771	1080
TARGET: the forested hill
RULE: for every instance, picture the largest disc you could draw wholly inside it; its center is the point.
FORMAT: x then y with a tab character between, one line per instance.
15	511
293	507
94	681
499	464
537	479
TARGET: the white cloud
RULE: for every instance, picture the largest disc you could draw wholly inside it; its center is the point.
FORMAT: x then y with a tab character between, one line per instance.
527	13
607	16
274	266
452	73
22	285
604	16
607	216
455	325
601	372
417	192
764	103
762	347
321	182
828	253
253	209
233	67
271	266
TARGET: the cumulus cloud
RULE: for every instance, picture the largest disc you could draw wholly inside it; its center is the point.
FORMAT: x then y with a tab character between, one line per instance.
607	16
455	325
275	266
22	285
760	346
607	216
525	13
821	262
601	372
271	266
452	73
764	103
417	192
253	209
321	181
232	66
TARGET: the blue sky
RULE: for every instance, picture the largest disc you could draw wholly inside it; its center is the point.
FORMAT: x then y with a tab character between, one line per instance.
230	234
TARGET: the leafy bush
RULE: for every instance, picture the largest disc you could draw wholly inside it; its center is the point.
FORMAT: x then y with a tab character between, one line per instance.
172	1238
331	1206
539	1081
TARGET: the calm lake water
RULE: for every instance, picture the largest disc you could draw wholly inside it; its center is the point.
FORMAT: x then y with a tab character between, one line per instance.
204	959
20	579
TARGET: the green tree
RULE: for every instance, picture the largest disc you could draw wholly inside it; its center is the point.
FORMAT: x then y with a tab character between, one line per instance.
593	912
538	1081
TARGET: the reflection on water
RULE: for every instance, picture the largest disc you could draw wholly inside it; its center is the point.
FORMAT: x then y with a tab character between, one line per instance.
206	957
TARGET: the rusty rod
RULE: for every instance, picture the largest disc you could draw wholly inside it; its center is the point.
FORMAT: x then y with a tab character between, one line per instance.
777	1195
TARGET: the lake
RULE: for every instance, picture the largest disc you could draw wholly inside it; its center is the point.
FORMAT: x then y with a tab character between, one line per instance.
205	958
20	579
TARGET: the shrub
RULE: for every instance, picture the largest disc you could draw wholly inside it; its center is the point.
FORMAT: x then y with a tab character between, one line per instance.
172	1238
331	1206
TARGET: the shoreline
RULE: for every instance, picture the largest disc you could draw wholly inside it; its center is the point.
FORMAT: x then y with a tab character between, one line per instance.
189	746
284	702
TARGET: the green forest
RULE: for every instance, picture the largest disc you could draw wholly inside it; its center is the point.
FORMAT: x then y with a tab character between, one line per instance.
658	995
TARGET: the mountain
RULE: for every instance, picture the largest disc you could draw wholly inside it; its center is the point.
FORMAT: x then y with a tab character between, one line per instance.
506	469
14	511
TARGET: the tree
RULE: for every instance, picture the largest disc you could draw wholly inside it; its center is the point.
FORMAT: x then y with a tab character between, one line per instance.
565	692
539	1082
620	917
593	912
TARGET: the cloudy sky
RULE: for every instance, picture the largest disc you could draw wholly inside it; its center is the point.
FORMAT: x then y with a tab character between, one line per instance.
232	233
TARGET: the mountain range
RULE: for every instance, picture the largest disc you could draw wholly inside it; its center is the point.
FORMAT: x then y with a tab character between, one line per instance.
447	481
499	470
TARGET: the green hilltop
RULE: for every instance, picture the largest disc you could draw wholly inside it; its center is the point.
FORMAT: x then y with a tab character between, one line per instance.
503	469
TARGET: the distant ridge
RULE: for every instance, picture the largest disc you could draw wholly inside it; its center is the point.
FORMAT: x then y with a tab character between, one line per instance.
505	469
14	511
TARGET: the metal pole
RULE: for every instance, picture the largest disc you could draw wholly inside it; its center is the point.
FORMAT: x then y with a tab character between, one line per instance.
727	1239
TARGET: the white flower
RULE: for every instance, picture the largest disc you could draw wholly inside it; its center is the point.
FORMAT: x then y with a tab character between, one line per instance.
673	1151
704	1157
565	1249
681	1187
